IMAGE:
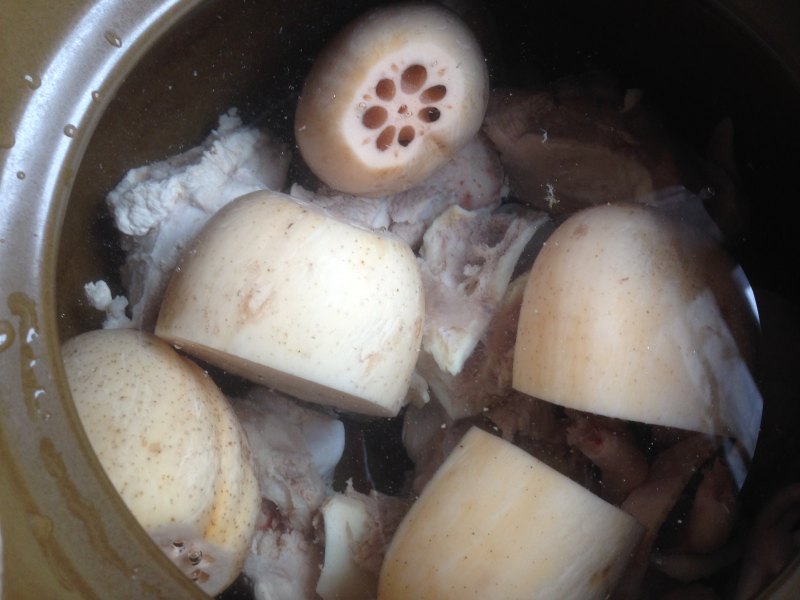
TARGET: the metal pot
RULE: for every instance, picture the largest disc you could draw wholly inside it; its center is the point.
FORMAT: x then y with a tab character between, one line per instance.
93	87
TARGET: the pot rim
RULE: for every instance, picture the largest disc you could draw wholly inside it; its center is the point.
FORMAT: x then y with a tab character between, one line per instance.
51	104
64	510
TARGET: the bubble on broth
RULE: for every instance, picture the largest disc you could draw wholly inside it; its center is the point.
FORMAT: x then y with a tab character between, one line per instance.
33	81
113	39
7	139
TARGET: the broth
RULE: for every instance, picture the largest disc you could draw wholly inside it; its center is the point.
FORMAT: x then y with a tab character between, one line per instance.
694	65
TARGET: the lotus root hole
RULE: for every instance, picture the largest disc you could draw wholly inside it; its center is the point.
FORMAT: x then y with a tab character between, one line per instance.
385	89
413	78
430	114
199	576
406	136
433	94
374	117
385	138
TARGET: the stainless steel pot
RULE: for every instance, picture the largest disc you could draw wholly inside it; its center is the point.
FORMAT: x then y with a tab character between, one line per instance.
89	88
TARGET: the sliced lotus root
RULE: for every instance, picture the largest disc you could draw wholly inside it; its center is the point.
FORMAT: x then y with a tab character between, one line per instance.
391	99
172	446
279	291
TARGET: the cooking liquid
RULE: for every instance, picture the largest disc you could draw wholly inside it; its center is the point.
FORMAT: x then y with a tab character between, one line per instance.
374	455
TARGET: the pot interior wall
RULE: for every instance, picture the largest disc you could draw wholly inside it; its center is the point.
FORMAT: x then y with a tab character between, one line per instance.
692	61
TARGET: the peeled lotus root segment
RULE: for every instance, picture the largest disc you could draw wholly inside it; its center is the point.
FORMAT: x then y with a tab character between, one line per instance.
391	99
190	483
495	522
630	314
281	292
